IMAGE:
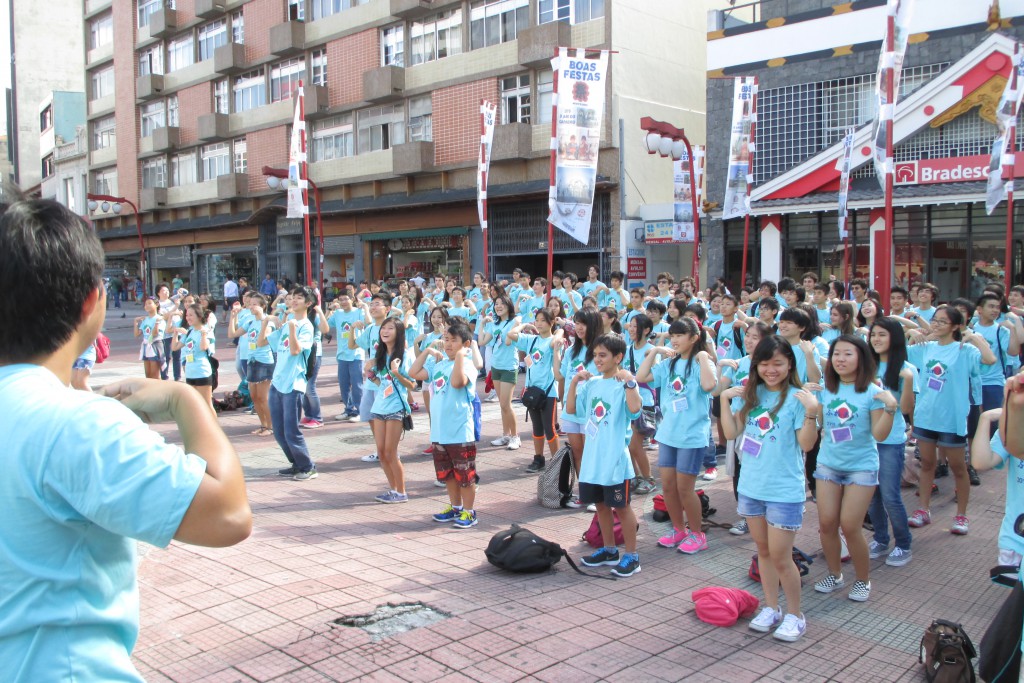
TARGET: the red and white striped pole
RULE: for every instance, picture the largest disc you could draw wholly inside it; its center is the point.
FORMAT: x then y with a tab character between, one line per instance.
1010	171
554	158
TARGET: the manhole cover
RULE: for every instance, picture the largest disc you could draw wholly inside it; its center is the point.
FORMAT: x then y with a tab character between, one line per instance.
357	439
390	619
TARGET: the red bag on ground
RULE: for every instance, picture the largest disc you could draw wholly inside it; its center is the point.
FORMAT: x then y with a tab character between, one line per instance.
720	606
659	503
102	345
593	534
488	384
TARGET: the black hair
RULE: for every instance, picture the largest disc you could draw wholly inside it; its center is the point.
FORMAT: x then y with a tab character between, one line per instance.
897	354
860	282
766	349
383	298
643	326
821	287
657	306
383	362
989	296
772	287
459	328
592	321
896	289
786	285
770	303
797	316
839	288
615	345
609	311
691	329
617	275
813	329
444	316
510	311
866	367
571	276
698	310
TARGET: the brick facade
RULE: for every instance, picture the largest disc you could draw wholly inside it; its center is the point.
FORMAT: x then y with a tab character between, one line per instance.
193	102
267	147
260	16
456	120
347	59
125	73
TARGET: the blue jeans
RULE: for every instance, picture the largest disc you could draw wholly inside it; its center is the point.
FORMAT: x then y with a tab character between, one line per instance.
311	399
350	382
285	410
991	397
710	458
167	358
887	503
176	364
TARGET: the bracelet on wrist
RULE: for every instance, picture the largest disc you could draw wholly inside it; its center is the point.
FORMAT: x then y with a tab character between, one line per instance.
811	417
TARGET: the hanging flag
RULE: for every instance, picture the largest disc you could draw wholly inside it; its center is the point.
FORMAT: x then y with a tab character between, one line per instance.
682	222
483	166
741	146
844	181
1001	162
888	62
578	104
297	207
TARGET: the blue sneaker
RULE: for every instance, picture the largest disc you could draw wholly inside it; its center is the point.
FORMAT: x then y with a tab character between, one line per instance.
394	497
628	565
466	520
449	514
601	557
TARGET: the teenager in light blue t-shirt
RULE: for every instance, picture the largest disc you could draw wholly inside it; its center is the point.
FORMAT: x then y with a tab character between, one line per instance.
196	344
575	359
992	454
684	382
638	331
388	369
542	351
350	360
260	366
151	329
777	421
492	333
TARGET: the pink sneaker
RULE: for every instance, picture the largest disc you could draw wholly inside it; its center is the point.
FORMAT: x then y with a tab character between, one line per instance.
920	518
429	450
694	543
673	539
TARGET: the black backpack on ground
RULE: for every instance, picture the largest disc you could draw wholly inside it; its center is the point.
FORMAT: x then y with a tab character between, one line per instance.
522	551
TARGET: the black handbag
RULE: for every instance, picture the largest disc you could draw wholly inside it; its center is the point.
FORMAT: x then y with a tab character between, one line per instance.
407	424
1000	646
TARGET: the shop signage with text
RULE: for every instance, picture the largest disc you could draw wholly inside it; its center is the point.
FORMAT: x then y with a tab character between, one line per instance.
658	232
425	243
953	170
636	268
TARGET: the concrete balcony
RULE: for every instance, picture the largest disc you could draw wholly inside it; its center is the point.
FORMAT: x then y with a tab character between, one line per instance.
412	158
512	141
99	54
101	105
316	101
149	86
165	139
210	9
537	44
95	6
412	9
163	23
229	59
288	38
103	157
232	186
213	127
152	198
384	84
192	194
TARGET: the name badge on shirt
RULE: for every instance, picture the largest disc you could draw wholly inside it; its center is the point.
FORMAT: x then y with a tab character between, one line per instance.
529	361
680	405
751	446
252	346
721	352
936	384
841	434
189	358
590	428
389	389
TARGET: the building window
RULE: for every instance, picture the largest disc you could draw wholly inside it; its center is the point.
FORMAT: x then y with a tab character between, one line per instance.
154	172
515	99
151	117
420	125
497	21
238	27
180	52
103	132
183	168
240	150
435	37
102	81
172	111
296	10
380	128
325	8
151	60
212	36
573	11
392	46
101	31
149	7
284	78
69	194
216	160
332	138
250	90
221	100
318	67
46	118
544	97
105	181
47	166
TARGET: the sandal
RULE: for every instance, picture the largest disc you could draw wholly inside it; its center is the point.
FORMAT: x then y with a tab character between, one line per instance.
265	432
256	432
643	486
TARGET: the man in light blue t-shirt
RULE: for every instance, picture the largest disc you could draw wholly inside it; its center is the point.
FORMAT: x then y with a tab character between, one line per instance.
87	478
350	361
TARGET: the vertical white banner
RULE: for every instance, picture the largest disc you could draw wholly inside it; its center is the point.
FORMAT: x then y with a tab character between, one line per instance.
700	153
579	109
483	167
682	214
741	145
844	181
297	208
900	10
1009	105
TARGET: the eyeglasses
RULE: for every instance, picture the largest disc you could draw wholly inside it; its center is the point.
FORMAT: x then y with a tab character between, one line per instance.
940	321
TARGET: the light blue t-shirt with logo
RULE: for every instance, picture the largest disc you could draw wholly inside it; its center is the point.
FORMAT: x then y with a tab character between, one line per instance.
847	444
773	464
197	361
368	340
260	354
570	366
147	326
86	481
729	342
601	409
451	409
741	374
898	434
686	421
945	371
587	289
391	395
992	375
242	323
632	360
528	306
290	370
1014	507
503	356
539	356
343	322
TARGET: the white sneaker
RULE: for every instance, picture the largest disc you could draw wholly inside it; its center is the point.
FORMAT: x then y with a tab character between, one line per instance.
372	457
491	397
513	444
500	441
792	628
592	507
767	619
440	484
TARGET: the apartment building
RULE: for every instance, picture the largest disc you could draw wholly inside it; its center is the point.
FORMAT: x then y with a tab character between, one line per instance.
188	101
815	62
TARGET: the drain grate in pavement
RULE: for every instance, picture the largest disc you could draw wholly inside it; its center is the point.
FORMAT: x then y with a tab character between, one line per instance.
357	439
391	619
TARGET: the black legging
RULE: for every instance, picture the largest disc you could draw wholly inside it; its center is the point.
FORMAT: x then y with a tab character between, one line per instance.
543	419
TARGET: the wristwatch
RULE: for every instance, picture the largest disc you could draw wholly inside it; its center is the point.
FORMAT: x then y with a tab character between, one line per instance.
631	384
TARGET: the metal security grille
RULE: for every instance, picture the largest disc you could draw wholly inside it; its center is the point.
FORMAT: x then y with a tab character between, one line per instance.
523	228
796	122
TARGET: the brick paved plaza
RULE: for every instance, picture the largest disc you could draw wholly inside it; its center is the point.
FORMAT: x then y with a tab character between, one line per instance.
323	550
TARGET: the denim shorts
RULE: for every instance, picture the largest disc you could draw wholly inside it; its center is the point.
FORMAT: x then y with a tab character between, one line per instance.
258	371
570	427
946	439
83	364
785	516
844	478
684	460
390	417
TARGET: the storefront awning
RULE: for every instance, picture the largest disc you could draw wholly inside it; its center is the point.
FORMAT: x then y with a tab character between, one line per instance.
869	196
119	253
409	234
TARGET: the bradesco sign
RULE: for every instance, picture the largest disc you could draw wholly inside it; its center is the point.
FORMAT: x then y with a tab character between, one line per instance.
955	170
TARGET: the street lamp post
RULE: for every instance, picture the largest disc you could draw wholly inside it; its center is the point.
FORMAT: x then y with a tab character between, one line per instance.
667	140
277	179
110	203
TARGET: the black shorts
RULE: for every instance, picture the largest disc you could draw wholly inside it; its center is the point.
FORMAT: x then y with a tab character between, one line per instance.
199	381
613	496
716	407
